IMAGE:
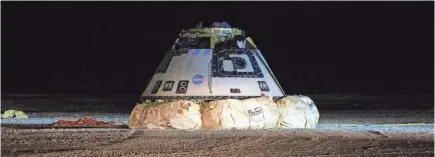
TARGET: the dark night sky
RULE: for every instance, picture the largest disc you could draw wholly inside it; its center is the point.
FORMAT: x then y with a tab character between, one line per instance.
312	47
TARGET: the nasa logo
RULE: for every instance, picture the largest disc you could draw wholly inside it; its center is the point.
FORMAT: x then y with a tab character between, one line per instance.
198	79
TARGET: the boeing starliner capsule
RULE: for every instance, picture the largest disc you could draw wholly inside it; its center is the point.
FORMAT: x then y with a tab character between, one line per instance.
217	62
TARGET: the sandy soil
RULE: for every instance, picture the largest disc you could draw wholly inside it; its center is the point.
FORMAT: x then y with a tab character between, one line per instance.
124	142
326	117
334	137
376	116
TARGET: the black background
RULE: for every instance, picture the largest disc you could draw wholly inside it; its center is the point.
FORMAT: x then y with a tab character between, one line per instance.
99	48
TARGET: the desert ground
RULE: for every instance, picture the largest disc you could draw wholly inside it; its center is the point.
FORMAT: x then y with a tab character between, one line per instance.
400	132
124	142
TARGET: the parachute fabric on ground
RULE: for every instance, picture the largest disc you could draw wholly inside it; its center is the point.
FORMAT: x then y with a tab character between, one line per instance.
14	114
296	113
183	115
254	113
20	114
8	114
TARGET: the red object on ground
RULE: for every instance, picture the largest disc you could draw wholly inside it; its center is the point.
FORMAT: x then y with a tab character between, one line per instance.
83	122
